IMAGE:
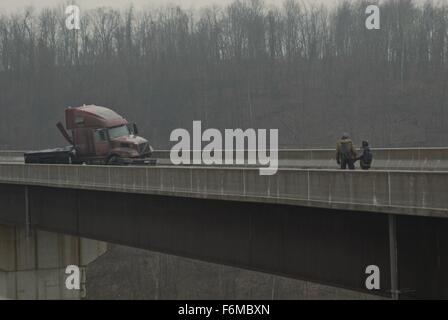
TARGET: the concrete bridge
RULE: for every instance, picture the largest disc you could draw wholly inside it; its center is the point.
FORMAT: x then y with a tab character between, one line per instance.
321	225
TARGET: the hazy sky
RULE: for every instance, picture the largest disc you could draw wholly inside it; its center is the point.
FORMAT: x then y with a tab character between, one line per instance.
8	5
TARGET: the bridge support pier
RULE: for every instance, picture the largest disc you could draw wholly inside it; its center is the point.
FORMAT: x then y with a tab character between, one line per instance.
33	263
393	249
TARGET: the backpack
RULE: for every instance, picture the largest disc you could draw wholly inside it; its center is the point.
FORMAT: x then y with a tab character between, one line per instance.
345	149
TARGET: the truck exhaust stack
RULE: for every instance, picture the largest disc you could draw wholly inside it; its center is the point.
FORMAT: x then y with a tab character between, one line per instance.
61	128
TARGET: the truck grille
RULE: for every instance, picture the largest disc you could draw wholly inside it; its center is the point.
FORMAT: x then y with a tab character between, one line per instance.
143	148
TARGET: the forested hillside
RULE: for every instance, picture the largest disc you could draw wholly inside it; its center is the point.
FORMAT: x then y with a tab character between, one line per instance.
310	71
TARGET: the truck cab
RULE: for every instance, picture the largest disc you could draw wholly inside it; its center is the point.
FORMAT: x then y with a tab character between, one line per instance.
101	136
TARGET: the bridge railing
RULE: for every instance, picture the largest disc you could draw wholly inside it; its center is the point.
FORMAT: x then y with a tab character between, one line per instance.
401	192
384	158
11	155
436	153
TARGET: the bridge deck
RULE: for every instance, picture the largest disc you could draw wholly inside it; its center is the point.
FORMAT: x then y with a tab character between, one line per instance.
420	193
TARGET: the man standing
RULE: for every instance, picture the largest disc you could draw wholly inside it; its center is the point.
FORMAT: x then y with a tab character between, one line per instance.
345	152
365	160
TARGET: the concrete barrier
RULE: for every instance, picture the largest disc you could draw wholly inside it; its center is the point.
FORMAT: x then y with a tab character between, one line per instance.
11	156
401	192
426	159
436	153
384	158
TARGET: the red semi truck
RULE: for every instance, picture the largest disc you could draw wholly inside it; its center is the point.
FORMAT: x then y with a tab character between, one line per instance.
98	136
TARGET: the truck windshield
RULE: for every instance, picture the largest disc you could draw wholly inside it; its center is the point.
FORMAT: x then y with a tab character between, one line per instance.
119	132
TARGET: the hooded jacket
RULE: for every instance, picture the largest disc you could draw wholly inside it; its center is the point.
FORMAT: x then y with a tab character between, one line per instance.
344	148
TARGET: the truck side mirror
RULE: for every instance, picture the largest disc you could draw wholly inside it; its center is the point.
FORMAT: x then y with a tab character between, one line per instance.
134	129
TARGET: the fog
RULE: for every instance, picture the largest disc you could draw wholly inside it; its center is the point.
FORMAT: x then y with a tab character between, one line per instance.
10	5
7	6
311	74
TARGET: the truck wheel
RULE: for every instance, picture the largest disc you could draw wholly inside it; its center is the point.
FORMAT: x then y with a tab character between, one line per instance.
114	161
